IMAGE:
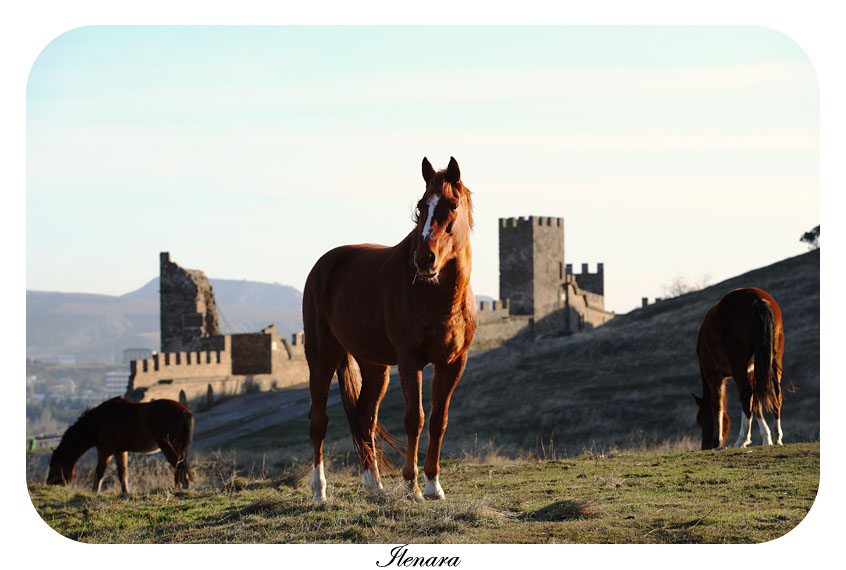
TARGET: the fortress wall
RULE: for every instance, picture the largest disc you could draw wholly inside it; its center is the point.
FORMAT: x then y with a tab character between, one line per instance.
176	365
585	310
289	362
251	353
492	311
492	334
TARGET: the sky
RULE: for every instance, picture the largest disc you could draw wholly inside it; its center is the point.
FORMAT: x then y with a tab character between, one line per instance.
248	152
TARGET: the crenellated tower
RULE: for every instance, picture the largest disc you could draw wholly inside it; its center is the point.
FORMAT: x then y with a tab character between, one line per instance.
531	264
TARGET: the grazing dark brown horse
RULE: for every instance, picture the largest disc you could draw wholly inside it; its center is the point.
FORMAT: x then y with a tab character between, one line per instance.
409	305
117	426
742	337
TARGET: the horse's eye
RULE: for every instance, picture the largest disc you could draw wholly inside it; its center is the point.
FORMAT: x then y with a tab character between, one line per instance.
453	205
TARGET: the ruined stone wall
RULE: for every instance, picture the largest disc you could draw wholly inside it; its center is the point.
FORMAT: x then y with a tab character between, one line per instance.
187	312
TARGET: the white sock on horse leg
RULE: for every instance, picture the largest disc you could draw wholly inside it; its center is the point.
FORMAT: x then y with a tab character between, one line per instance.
744	438
318	483
766	436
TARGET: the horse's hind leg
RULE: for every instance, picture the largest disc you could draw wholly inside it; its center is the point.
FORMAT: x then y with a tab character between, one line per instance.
444	382
373	386
323	358
102	462
120	462
739	372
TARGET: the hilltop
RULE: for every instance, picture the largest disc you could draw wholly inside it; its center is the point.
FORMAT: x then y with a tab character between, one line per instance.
625	384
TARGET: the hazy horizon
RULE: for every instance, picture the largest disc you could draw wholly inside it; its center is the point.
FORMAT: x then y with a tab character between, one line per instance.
247	152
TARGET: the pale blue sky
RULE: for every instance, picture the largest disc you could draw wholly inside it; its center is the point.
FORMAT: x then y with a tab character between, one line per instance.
248	152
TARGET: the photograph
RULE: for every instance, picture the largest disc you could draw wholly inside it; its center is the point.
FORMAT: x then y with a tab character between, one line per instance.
415	285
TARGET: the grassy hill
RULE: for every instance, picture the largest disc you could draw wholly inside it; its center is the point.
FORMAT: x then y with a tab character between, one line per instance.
624	385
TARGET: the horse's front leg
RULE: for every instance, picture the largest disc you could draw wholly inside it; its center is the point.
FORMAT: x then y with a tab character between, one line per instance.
443	384
412	391
120	461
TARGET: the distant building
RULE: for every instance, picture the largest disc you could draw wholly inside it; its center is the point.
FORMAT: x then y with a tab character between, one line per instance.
66	360
116	384
130	354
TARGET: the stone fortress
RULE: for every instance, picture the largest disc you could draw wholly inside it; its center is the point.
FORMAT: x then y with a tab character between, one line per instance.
198	365
539	293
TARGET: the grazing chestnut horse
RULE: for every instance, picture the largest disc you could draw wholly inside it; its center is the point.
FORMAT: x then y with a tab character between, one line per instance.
742	337
117	426
409	305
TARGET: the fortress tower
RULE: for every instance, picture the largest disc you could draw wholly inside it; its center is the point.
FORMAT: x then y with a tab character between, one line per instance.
531	264
188	313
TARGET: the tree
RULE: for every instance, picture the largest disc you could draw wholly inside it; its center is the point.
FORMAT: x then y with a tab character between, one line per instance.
680	286
812	238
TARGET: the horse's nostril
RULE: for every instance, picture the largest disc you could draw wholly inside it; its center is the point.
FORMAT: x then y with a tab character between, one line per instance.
431	258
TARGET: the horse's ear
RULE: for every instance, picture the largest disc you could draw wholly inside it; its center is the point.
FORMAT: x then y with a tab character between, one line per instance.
428	171
453	175
697	399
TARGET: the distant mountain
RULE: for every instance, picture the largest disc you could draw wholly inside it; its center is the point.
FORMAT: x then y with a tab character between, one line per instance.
96	328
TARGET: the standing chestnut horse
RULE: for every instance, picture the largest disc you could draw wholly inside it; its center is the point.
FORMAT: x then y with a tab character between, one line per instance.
742	337
117	426
409	305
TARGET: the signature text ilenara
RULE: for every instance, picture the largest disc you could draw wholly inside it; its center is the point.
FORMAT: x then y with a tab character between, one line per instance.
401	558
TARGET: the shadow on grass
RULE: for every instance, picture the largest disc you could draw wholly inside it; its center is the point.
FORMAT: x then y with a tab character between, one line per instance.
567	510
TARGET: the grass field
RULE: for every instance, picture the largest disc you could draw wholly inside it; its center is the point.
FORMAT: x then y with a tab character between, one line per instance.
729	496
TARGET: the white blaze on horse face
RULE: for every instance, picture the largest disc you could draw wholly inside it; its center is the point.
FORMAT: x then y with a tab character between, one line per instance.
433	489
430	212
744	438
766	436
318	483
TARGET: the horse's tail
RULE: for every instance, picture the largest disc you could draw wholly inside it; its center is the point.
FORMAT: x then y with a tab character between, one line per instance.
183	469
349	384
766	396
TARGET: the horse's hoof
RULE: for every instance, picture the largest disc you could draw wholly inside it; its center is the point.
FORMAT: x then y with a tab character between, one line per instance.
319	498
415	495
435	497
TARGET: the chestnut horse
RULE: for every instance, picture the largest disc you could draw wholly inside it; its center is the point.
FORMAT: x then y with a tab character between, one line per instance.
410	305
117	426
742	337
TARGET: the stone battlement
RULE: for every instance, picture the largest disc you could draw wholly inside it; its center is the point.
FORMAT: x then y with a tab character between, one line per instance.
523	221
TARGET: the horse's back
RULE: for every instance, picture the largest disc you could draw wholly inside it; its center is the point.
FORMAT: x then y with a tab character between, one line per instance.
347	295
138	426
727	331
